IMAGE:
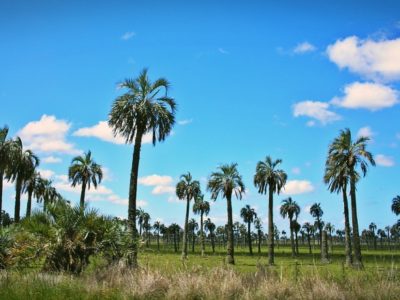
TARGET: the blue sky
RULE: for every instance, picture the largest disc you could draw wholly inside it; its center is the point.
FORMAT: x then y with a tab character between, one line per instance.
251	78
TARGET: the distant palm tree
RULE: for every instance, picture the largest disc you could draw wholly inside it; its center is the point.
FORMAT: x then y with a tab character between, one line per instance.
146	227
396	205
296	228
5	162
141	110
31	188
270	179
258	226
140	218
382	234
226	182
348	155
23	165
175	229
84	171
291	210
248	215
201	207
46	193
157	228
308	229
192	227
187	189
372	227
210	226
317	212
330	228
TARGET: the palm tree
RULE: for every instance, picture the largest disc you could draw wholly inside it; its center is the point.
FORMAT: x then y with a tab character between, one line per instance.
31	187
201	207
382	234
317	212
140	214
270	179
296	228
226	182
192	227
248	215
157	228
146	226
84	171
258	226
308	229
175	229
330	228
210	226
372	227
23	165
290	209
139	111
396	205
348	156
5	161
46	193
187	189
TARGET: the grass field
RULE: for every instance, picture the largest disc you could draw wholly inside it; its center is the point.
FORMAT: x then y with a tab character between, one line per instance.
164	275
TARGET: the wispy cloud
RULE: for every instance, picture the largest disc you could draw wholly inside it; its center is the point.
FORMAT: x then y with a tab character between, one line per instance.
128	35
384	161
185	122
304	47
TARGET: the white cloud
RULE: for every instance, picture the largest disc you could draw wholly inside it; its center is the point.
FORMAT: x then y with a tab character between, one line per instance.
316	110
365	132
296	170
304	48
369	58
222	51
51	159
47	174
173	199
161	189
296	187
368	95
185	122
384	161
128	35
155	180
104	132
47	135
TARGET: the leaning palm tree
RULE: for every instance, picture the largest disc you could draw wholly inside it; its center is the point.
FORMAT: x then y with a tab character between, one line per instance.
348	155
396	205
226	182
248	215
337	178
141	110
84	171
291	210
23	165
270	179
201	207
317	212
5	161
187	189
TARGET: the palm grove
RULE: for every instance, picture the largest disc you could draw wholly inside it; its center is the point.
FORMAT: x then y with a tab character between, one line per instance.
146	108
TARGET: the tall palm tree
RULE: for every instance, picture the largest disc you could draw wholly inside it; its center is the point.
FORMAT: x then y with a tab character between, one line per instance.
23	165
210	226
31	188
144	108
248	215
84	171
201	207
291	210
348	155
192	227
258	226
317	212
187	189
226	182
308	229
337	178
270	179
396	205
157	228
5	161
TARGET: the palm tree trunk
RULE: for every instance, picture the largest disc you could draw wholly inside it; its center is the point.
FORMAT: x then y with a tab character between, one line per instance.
249	237
132	195
347	236
230	250
297	243
203	247
356	237
1	196
270	226
18	188
292	238
185	231
83	191
29	204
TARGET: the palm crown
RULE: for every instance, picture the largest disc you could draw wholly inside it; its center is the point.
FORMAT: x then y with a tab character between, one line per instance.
226	182
290	209
248	214
267	175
